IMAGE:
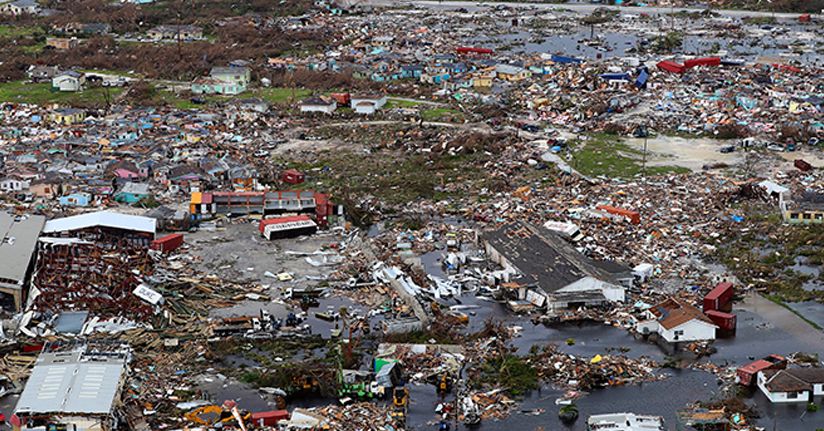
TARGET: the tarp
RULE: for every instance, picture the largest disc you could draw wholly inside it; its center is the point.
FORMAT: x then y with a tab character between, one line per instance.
565	60
641	80
615	76
671	66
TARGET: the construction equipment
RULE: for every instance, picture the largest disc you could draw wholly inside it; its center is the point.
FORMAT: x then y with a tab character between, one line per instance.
212	414
400	404
444	385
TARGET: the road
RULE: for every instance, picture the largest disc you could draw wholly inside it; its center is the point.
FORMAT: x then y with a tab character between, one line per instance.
578	7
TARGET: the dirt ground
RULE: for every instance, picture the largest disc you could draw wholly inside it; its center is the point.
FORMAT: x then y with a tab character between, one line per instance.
238	252
689	153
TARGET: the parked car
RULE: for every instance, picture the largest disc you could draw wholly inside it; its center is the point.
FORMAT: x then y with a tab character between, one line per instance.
727	149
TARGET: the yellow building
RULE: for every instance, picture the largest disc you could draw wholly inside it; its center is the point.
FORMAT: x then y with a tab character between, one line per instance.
67	116
508	72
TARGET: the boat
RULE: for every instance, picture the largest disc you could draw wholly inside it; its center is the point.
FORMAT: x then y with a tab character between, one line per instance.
625	422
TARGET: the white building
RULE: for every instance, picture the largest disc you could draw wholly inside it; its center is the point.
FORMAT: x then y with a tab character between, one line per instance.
318	104
625	422
20	7
677	322
794	385
367	105
69	81
14	184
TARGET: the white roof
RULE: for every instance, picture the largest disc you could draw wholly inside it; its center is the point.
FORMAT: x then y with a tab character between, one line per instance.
70	382
101	218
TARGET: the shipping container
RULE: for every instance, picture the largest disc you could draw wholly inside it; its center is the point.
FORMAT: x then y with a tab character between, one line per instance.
726	322
720	298
802	165
168	243
671	66
287	227
632	216
342	98
704	61
746	374
472	50
292	176
270	418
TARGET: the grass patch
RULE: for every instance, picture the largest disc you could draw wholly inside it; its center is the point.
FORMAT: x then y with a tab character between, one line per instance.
398	103
608	156
442	114
14	31
42	94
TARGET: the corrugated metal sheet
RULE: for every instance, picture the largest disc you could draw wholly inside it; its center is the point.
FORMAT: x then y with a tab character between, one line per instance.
102	218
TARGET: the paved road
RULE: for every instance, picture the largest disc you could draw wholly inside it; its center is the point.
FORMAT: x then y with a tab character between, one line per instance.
784	320
579	7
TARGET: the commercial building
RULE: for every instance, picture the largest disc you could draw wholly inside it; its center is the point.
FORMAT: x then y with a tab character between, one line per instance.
18	241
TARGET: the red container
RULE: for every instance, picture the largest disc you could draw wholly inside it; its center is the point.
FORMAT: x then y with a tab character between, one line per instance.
805	18
632	216
292	176
168	243
270	418
802	165
746	374
720	298
31	348
671	66
725	321
341	98
472	50
704	61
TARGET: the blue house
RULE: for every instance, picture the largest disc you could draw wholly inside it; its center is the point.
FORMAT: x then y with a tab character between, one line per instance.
132	193
76	200
457	68
412	71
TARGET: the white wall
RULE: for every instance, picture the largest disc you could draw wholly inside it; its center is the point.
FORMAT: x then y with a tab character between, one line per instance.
316	108
780	397
694	330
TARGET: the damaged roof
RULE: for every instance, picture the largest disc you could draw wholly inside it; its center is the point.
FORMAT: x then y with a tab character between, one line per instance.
101	218
543	257
18	238
672	313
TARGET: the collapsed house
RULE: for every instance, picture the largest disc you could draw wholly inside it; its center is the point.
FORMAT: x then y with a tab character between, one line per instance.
543	269
18	241
74	389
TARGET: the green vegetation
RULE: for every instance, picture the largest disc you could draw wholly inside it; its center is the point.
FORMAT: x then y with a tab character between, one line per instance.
13	31
442	114
668	42
766	255
398	103
759	20
41	94
607	155
512	372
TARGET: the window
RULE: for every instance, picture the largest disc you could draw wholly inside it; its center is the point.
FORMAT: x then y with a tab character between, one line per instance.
679	332
792	395
794	216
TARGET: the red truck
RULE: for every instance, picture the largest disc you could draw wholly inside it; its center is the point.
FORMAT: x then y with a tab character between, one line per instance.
747	373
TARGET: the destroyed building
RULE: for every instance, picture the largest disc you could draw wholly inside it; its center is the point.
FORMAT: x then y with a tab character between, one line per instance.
551	272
